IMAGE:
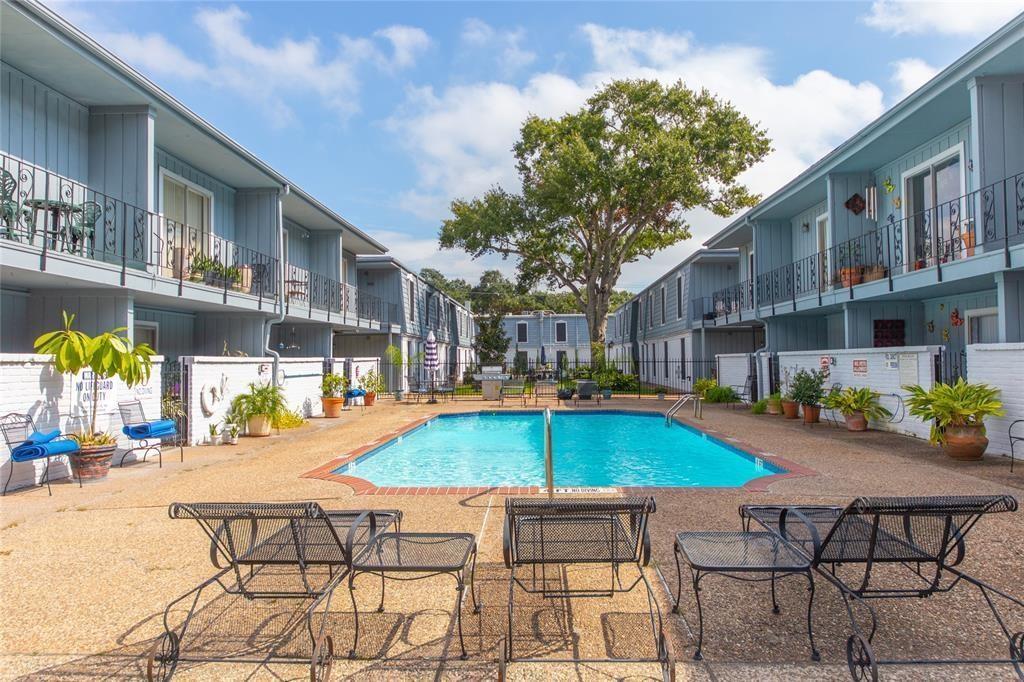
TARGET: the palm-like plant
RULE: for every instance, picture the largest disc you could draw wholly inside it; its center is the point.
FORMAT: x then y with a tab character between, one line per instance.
954	405
260	401
851	400
108	355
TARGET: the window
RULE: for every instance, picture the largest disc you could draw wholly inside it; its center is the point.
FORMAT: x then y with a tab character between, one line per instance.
650	310
561	332
982	325
930	202
185	203
412	301
521	336
682	358
665	349
679	297
148	333
663	316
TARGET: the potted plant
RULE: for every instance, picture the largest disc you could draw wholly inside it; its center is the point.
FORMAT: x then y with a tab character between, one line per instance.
807	389
214	433
661	395
857	405
373	383
332	390
394	355
957	413
108	356
259	407
773	404
231	433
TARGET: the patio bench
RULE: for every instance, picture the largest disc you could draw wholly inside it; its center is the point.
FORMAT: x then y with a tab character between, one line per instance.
28	444
140	431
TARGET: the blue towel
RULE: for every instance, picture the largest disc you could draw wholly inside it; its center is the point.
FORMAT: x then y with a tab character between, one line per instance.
149	429
355	393
24	453
40	437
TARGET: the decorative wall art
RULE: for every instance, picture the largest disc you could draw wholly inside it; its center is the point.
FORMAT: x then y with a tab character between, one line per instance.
855	204
889	187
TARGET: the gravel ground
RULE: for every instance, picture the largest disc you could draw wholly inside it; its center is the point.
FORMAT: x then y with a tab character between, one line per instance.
88	572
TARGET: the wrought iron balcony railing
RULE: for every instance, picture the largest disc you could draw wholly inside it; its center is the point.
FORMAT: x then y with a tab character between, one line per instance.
316	291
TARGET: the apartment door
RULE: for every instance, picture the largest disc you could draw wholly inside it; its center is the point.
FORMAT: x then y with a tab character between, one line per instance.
931	198
187	212
822	233
983	325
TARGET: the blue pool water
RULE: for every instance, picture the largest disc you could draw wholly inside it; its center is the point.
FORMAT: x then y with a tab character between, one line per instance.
590	449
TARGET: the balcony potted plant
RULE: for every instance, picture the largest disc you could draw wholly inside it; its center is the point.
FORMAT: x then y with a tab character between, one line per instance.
259	407
332	390
807	389
107	356
957	413
849	274
373	383
857	405
774	403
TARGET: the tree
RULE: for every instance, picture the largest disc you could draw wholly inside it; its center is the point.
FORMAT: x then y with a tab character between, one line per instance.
608	184
456	288
491	342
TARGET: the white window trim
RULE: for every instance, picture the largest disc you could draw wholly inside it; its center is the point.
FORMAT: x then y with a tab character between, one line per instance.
977	312
525	326
148	324
823	263
199	189
959	149
565	326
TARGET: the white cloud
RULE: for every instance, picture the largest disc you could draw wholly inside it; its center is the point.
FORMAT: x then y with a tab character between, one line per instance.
407	43
974	18
510	54
910	74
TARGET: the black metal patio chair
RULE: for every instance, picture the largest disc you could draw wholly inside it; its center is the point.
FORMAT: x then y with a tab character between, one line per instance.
546	389
254	546
744	393
418	388
1016	435
141	431
514	389
923	538
18	430
541	534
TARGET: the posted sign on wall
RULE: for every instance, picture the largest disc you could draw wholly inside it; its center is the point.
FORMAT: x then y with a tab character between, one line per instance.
860	367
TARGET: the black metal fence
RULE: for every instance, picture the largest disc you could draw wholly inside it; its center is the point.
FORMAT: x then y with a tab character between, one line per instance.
623	378
950	365
174	394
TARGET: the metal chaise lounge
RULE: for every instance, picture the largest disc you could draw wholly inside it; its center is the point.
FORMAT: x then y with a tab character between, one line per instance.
922	538
254	546
27	444
141	431
541	535
512	389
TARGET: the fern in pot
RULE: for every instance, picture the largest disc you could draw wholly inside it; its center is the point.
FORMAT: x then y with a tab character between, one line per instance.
259	407
957	413
857	405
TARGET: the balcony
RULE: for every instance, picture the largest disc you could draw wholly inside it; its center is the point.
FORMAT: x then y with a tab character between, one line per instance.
314	291
988	222
729	304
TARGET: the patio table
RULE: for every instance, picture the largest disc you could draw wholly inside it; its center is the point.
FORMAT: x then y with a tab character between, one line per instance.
57	210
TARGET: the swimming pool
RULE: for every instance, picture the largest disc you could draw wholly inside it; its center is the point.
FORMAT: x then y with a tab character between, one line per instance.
590	449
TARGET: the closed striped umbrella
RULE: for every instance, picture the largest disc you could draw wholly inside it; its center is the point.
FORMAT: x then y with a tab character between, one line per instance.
430	363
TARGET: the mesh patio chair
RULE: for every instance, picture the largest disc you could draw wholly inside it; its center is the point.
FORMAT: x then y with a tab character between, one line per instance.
511	390
1016	435
27	444
744	393
255	547
541	535
141	431
546	389
83	225
921	538
16	219
418	388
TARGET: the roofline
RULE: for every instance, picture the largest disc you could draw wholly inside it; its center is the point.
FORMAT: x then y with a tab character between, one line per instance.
123	69
386	259
900	110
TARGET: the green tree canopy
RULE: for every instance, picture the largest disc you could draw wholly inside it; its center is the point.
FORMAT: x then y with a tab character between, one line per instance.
608	184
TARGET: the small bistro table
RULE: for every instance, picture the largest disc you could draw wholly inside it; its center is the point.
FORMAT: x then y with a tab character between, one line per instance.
57	210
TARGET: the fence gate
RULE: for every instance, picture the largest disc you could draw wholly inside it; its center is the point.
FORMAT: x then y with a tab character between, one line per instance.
950	365
174	395
773	374
752	374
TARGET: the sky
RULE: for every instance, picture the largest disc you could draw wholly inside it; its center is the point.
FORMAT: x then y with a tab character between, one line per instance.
387	112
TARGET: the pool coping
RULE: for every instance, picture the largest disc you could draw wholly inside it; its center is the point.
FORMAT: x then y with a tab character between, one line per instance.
361	486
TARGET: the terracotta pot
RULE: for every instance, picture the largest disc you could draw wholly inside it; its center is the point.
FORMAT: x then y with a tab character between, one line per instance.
965	443
811	413
258	426
874	273
774	406
856	421
849	276
332	406
369	399
790	409
92	462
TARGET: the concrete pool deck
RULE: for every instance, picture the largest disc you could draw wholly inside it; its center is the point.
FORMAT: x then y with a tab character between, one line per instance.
88	572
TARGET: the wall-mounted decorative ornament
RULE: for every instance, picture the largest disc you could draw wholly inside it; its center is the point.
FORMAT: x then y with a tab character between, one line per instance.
897	202
970	164
889	187
945	334
955	319
806	227
931	326
855	204
942	306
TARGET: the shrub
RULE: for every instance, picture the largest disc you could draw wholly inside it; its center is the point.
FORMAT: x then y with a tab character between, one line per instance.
760	407
960	404
333	386
807	388
721	394
701	386
261	400
851	400
614	379
287	420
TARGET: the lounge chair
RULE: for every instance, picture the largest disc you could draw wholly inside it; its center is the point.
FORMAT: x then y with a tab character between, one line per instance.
541	534
141	431
744	393
28	444
300	541
1016	435
512	389
546	389
921	538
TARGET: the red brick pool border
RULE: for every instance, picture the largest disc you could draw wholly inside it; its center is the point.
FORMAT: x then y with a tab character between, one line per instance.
360	486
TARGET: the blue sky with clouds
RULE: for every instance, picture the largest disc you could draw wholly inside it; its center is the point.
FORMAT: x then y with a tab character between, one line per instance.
387	111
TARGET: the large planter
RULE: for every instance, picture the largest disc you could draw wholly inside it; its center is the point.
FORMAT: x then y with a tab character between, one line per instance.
790	409
92	462
811	413
258	426
856	421
332	406
369	399
966	443
849	276
774	406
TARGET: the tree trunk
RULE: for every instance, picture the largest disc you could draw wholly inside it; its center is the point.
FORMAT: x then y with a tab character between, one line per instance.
95	397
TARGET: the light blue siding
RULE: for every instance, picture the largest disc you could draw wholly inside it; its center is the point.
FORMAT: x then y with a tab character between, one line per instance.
998	129
806	243
175	330
256	220
223	195
844	224
120	142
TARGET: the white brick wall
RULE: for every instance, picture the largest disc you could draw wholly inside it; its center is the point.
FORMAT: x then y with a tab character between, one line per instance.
29	383
1000	365
223	378
878	377
733	369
